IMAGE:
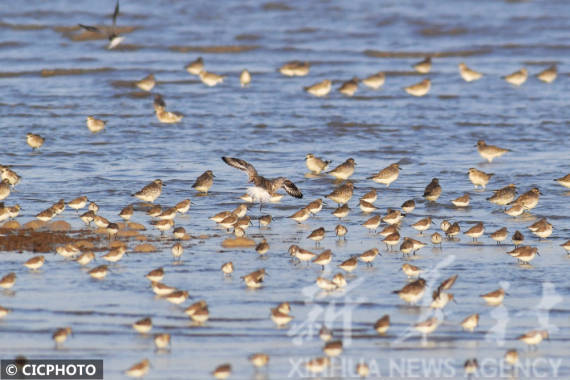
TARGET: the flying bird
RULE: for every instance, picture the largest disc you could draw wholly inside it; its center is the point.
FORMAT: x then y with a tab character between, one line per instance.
112	35
263	188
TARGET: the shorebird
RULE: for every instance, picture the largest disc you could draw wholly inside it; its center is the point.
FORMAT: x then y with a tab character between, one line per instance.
99	272
317	235
259	359
422	224
168	117
315	206
533	338
325	333
500	235
227	268
317	365
112	35
504	196
222	371
409	205
95	125
34	141
323	258
467	74
301	215
412	292
470	367
245	78
325	284
476	231
344	170
524	254
478	177
147	83
542	228
387	175
13	178
511	357
490	152
447	283
333	348
211	79
440	300
528	200
428	326
432	190
382	325
370	196
436	238
348	88
419	89
262	247
411	270
301	254
316	164
162	341
470	322
349	265
204	182
35	262
295	68
564	181
319	89
494	298
263	188
342	194
150	192
280	317
517	78
548	75
254	279
517	238
369	256
195	67
373	223
143	326
423	67
342	211
60	335
393	217
138	369
374	81
367	207
341	231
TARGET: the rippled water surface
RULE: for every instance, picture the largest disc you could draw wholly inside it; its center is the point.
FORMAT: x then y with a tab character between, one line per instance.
51	81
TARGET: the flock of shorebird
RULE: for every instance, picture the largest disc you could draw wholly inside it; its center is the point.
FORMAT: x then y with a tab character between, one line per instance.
265	190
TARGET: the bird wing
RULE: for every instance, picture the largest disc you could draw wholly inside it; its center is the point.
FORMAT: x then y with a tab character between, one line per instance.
291	189
90	28
241	165
115	14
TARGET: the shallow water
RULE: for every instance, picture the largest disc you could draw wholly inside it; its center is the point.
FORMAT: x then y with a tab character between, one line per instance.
273	124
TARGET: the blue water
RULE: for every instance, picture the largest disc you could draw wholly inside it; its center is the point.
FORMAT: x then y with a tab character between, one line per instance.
273	124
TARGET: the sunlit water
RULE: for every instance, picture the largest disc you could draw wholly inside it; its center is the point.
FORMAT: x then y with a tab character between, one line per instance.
273	124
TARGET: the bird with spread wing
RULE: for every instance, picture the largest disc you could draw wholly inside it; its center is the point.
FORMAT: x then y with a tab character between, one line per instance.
112	35
263	188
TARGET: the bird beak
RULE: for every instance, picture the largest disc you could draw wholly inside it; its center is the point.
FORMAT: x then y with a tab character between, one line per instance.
538	253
